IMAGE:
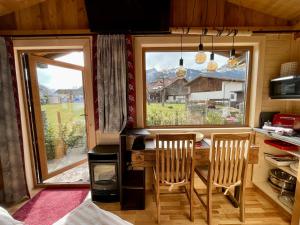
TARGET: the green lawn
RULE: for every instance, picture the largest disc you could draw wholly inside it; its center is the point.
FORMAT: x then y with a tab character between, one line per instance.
71	131
69	113
169	114
180	114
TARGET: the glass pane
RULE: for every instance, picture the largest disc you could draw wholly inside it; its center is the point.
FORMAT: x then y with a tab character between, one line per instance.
201	97
62	106
105	173
72	58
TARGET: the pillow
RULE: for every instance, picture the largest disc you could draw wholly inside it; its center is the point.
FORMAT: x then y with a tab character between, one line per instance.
6	219
90	214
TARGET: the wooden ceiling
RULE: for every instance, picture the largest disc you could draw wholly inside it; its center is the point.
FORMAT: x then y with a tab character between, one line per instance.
19	17
285	9
8	6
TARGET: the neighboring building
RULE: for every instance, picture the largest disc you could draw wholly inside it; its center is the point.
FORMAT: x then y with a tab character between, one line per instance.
171	90
48	96
236	98
53	99
212	87
70	95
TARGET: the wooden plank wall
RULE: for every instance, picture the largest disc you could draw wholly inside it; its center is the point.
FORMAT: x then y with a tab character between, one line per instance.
279	49
48	15
191	13
71	14
12	5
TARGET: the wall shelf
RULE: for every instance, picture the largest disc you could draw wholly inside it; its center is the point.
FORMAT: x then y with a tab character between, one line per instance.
267	189
132	185
284	168
261	170
291	140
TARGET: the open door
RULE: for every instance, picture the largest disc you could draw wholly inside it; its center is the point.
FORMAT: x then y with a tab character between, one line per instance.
59	114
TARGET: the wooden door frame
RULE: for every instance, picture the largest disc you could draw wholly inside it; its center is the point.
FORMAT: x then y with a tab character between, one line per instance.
39	126
22	45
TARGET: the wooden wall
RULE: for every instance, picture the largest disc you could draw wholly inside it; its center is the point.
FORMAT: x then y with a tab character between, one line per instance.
279	49
48	15
58	15
205	84
190	13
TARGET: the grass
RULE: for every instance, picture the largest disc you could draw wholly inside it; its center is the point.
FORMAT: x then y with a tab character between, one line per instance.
169	114
180	114
69	113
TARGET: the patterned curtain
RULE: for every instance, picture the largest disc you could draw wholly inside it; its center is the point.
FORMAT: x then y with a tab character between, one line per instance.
131	89
11	148
111	82
131	97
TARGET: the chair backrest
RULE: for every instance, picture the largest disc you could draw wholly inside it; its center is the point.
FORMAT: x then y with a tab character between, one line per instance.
229	158
174	154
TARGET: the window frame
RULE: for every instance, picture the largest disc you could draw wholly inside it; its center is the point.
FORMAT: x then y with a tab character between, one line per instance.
187	49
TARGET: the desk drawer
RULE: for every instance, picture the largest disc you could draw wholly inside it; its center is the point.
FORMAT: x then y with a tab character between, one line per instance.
137	157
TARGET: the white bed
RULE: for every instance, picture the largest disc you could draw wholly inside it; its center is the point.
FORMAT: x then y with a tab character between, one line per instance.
90	214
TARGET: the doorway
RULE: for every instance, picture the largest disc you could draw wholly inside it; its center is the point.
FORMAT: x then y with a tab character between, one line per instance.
54	51
56	82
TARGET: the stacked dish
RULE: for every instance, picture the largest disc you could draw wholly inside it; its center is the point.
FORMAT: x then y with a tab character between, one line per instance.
282	182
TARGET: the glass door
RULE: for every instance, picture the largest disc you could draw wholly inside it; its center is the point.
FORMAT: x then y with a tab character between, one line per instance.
59	114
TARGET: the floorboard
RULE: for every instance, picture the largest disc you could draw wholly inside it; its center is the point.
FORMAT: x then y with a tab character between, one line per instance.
175	210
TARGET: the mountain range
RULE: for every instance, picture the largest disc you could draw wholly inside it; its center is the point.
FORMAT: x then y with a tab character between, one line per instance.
236	74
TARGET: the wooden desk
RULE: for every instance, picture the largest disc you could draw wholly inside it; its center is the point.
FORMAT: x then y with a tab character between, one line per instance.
146	158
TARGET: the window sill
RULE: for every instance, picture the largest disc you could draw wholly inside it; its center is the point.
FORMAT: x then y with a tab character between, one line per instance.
205	130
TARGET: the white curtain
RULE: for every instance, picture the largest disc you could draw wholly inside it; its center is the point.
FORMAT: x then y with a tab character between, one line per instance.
11	155
111	82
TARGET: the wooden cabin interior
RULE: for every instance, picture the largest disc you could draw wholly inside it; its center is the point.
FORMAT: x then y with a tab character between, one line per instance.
149	112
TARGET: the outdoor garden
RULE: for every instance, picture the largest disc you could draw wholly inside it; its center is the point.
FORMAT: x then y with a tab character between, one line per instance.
64	127
173	114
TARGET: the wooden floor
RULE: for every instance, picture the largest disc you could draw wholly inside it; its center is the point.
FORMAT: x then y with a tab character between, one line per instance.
175	210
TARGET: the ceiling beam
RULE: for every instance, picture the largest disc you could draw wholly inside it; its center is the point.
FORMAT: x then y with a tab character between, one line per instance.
296	22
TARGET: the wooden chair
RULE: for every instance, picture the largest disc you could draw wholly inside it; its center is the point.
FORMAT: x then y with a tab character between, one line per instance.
174	165
227	168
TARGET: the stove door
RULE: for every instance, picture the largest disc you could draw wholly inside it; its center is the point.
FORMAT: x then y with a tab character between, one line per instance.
104	175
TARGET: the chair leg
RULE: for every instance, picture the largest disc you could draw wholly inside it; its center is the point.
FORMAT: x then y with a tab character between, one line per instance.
158	205
209	204
242	204
191	201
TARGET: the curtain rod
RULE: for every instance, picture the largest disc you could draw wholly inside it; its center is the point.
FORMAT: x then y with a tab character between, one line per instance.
235	31
210	31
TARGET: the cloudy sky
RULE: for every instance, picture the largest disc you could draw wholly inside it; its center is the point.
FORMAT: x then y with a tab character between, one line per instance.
168	60
54	77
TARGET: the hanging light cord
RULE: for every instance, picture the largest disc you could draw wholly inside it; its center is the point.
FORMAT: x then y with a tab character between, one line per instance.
233	41
181	45
212	43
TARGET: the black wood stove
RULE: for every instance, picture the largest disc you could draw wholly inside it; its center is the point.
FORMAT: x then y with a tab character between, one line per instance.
104	173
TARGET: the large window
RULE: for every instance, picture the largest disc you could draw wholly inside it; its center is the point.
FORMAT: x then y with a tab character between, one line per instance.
201	98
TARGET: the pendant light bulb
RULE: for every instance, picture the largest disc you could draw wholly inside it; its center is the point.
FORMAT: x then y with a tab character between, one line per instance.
200	57
212	65
181	71
232	61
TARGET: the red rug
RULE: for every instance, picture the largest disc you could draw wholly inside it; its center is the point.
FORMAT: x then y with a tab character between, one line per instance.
50	205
